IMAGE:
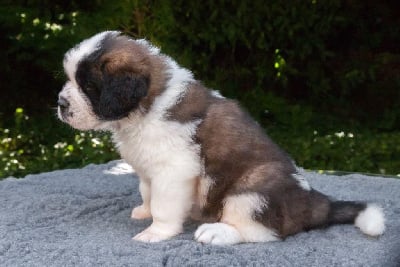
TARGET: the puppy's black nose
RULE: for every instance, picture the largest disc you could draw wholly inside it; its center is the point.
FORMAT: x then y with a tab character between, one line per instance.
62	102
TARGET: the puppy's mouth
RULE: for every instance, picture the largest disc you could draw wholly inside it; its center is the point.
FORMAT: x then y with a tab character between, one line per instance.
64	115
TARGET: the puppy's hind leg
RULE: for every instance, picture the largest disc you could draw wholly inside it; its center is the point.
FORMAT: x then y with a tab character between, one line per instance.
237	224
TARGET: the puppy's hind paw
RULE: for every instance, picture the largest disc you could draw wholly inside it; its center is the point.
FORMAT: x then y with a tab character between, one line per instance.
218	234
148	237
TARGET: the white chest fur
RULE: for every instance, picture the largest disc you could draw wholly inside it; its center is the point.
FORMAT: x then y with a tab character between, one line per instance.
155	146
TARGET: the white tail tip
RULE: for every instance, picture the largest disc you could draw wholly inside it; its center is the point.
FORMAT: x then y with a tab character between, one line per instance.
371	221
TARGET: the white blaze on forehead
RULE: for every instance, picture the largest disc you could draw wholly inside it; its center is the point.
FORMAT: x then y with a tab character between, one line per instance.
86	47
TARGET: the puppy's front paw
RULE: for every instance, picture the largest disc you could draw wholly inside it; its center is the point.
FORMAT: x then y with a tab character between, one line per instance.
153	234
217	234
147	236
140	212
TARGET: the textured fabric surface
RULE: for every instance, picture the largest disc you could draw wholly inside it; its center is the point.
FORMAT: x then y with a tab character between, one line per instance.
82	218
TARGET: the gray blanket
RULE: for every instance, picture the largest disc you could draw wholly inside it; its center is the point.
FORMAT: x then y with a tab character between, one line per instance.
82	218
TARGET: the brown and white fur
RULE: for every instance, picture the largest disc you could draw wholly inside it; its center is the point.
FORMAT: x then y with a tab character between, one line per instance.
197	153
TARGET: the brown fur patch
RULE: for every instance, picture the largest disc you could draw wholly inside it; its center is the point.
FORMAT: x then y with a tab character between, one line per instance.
233	146
122	55
239	157
193	105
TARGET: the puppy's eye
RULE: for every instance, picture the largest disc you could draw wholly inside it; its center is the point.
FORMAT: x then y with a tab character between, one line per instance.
90	88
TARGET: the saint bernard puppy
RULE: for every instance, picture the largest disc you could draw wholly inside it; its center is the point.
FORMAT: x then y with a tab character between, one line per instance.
197	153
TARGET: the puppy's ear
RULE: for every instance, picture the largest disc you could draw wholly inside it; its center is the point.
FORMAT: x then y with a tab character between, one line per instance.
121	93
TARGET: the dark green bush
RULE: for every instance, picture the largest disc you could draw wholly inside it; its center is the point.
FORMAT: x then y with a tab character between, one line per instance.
327	54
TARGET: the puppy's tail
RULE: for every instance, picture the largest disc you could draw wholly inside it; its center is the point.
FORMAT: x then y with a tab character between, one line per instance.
368	217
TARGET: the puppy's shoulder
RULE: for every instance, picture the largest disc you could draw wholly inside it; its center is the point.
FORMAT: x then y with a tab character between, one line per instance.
193	105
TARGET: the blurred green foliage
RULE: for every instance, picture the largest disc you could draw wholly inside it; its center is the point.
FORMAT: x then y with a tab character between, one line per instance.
321	76
33	145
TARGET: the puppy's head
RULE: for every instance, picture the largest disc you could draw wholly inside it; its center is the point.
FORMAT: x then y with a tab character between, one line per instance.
108	77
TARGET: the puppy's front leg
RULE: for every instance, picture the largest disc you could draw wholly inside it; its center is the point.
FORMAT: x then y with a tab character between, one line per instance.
171	201
143	211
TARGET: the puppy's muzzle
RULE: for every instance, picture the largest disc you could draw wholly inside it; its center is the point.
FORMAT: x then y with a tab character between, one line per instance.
63	103
63	106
